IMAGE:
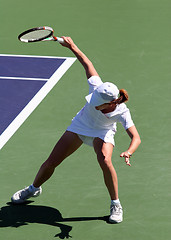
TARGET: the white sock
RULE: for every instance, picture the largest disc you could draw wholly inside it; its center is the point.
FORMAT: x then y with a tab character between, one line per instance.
115	202
32	188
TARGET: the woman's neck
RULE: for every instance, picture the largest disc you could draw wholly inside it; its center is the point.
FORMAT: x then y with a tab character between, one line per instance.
109	109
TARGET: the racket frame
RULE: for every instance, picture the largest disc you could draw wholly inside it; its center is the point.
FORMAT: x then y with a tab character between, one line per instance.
40	39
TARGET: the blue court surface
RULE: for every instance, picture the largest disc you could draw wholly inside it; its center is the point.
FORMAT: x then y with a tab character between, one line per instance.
24	82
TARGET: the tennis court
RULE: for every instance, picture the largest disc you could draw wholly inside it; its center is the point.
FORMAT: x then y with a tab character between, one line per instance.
129	44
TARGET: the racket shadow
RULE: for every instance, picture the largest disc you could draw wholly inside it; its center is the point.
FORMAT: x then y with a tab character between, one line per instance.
16	216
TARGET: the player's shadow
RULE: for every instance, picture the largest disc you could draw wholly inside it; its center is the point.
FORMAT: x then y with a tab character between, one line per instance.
19	215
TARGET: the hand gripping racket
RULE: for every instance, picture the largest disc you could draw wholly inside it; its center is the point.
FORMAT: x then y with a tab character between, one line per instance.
39	34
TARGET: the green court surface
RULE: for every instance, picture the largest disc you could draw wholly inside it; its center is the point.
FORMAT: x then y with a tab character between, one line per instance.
129	43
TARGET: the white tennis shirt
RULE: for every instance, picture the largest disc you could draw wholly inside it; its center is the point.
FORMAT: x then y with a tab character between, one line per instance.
93	123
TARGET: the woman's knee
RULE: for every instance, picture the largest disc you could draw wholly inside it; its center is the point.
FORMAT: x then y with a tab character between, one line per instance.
52	162
105	161
104	153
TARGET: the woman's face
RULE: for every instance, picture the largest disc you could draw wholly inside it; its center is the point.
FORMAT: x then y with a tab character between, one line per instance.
106	107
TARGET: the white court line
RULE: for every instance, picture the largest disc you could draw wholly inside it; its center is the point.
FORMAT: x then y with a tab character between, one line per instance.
34	56
41	94
24	78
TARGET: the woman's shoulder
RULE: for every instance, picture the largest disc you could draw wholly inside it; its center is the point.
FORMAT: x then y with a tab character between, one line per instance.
121	108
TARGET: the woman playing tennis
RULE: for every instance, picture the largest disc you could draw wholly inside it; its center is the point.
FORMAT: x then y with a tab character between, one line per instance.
94	125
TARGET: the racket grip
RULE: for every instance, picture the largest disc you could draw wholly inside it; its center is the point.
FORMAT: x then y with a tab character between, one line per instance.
60	40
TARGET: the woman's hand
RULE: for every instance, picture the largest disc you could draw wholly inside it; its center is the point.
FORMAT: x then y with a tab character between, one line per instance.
68	42
127	157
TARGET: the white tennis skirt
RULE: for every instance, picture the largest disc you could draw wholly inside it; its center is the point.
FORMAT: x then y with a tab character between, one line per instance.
107	137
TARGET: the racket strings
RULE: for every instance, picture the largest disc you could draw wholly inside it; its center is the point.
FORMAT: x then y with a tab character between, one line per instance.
38	34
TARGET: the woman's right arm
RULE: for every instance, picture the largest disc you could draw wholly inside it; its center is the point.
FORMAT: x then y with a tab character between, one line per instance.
135	142
83	59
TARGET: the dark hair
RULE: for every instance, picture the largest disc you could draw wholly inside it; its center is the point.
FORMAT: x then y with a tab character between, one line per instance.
122	98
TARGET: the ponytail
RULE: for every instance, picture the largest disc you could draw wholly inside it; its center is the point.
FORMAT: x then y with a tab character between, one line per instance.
122	98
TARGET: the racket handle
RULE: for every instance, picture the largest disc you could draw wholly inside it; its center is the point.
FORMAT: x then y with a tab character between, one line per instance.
60	40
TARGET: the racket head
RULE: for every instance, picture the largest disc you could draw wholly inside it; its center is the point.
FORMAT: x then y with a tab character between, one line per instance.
36	34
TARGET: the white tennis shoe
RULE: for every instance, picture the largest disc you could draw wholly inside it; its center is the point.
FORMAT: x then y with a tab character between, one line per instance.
116	213
26	193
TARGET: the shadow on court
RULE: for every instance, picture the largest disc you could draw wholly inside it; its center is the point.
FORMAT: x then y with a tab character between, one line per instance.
20	215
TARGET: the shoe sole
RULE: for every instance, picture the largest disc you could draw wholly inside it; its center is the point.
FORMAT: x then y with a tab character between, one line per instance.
17	201
114	221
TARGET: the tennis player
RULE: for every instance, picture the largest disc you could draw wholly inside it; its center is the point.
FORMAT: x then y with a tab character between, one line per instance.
94	125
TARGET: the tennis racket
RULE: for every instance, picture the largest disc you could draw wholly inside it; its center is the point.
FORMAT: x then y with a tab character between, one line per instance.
39	34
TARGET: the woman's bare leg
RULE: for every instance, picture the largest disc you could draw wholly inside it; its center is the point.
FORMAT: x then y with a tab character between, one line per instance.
104	157
67	144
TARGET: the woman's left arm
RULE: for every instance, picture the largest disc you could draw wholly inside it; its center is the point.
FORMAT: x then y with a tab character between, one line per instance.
135	142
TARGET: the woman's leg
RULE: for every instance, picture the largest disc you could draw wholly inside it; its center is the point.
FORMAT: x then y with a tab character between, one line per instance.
67	144
104	157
